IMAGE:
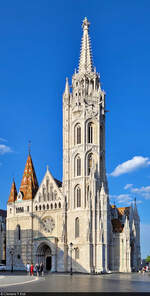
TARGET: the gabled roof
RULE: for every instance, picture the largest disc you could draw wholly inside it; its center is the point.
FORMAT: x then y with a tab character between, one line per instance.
124	211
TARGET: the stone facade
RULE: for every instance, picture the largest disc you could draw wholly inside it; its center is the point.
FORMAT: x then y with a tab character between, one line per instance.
71	225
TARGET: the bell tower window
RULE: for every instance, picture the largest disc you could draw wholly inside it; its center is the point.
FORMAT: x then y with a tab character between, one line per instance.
90	132
89	163
77	197
77	134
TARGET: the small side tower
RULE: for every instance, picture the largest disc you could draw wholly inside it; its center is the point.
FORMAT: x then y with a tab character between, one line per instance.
19	239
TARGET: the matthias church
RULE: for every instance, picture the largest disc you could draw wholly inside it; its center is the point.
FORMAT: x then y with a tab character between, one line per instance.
71	224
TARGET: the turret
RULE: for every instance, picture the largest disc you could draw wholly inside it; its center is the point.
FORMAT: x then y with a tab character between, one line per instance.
13	193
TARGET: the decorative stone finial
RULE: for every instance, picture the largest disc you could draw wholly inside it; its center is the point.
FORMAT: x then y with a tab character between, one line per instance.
85	63
85	24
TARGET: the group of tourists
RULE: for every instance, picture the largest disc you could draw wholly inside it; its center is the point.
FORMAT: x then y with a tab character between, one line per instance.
38	268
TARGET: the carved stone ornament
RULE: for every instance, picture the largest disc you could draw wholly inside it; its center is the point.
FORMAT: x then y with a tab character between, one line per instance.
48	224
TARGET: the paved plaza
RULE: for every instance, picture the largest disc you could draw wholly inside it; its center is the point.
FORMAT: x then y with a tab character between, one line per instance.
133	282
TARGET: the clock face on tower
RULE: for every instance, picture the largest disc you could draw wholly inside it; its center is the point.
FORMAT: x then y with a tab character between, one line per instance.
48	224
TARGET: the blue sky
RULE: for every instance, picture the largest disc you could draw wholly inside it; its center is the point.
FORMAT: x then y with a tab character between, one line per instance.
39	47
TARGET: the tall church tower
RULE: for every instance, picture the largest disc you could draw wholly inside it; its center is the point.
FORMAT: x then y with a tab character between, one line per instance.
84	174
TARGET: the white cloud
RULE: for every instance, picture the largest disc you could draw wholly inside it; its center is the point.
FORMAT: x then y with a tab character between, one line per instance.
2	140
128	186
143	191
130	165
123	199
4	149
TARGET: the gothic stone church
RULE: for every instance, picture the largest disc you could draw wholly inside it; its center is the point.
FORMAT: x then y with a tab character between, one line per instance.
72	223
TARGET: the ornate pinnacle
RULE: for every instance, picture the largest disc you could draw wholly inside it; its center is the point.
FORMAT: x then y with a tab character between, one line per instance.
85	24
85	64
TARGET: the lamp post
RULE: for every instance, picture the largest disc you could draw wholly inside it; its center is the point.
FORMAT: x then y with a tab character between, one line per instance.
71	245
12	254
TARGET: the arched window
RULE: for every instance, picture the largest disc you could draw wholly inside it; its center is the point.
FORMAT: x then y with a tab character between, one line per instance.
47	207
55	205
44	193
77	197
39	197
10	210
90	132
18	232
36	208
77	166
59	205
89	163
77	134
40	207
76	253
43	207
47	185
51	191
77	227
51	206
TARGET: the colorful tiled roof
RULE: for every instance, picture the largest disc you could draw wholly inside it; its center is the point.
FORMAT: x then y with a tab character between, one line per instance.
124	211
29	184
13	193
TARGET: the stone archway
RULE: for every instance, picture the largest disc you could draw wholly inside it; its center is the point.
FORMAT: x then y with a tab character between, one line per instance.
44	254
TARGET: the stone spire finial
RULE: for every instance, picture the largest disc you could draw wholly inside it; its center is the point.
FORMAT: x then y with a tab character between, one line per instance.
85	64
85	24
67	90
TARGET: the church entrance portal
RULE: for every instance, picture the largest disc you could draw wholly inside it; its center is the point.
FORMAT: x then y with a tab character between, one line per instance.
44	255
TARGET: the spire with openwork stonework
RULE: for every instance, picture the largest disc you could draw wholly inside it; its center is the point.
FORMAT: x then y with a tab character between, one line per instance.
29	184
13	192
85	63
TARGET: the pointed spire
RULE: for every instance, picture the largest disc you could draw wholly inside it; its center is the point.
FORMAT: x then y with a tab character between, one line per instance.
85	64
29	184
67	89
13	192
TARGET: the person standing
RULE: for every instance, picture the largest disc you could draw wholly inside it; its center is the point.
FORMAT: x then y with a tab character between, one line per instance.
42	268
37	268
31	269
28	268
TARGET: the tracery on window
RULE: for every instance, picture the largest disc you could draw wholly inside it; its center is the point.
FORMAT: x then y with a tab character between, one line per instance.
77	197
77	166
77	134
